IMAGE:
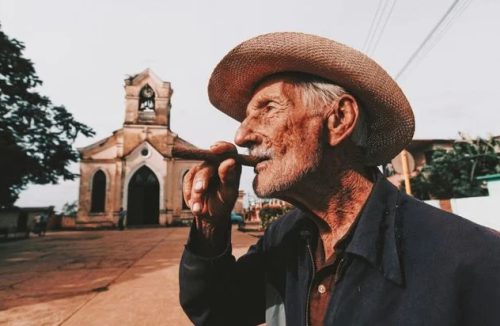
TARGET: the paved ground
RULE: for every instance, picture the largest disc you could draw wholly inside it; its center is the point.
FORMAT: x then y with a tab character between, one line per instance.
96	277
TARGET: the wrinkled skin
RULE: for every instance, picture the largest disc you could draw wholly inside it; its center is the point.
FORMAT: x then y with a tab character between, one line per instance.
211	192
279	127
309	161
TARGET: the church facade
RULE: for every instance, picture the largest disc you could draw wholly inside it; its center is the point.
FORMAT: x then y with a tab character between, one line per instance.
133	168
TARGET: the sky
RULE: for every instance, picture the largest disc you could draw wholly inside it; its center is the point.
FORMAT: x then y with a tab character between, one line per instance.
83	51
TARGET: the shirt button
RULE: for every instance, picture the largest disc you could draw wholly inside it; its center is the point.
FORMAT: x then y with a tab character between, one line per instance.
321	289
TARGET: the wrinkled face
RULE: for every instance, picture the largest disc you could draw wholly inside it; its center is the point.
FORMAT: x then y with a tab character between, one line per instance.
280	128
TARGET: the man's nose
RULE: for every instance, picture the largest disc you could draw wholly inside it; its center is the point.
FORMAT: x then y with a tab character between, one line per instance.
245	136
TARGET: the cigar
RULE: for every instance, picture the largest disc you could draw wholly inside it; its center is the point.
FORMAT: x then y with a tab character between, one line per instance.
193	153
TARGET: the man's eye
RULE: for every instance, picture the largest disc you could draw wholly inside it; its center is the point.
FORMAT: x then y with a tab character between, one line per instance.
270	107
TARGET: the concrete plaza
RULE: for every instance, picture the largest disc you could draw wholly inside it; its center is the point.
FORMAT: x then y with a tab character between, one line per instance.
96	277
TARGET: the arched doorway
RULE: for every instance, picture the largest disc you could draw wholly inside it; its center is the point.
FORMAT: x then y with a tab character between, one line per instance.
143	205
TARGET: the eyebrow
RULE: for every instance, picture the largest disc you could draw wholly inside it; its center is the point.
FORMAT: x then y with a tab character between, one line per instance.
268	99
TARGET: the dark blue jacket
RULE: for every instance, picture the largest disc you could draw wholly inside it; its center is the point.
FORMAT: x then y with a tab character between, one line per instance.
407	263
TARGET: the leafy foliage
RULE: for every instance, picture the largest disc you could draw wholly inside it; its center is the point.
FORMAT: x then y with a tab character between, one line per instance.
70	208
269	214
453	173
35	136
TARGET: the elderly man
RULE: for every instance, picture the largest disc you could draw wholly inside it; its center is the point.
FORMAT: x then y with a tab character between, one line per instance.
356	251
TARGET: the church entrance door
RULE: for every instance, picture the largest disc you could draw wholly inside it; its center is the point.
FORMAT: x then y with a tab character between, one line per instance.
143	205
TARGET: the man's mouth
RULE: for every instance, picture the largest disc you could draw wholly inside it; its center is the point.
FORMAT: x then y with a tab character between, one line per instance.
264	155
260	152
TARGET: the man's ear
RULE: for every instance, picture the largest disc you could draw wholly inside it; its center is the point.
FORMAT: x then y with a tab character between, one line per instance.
342	119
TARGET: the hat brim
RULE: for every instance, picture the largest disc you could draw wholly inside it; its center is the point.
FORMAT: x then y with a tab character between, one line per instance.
391	123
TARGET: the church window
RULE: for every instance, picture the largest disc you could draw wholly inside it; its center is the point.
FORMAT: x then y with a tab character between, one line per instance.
98	192
146	98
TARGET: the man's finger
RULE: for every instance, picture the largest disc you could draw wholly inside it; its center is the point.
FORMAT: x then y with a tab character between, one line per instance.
229	175
187	183
229	172
223	147
201	181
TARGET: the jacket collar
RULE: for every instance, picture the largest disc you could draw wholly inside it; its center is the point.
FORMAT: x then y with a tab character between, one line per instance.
376	237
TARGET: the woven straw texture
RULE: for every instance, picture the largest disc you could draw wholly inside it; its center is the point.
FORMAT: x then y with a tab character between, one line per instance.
390	118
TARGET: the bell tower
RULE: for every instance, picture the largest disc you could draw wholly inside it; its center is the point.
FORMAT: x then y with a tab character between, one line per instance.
147	100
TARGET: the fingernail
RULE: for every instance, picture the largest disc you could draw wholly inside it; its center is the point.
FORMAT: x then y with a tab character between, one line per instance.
198	185
196	207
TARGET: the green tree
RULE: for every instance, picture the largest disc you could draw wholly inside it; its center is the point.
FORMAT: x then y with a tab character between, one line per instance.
270	214
70	208
36	136
453	173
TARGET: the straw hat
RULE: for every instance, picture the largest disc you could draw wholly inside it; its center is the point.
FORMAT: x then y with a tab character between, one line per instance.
390	119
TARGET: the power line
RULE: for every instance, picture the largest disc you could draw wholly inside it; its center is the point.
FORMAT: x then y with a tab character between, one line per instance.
443	30
427	38
379	23
446	27
372	25
387	18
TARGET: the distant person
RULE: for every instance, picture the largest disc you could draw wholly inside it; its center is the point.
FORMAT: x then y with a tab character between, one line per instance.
121	218
44	217
36	227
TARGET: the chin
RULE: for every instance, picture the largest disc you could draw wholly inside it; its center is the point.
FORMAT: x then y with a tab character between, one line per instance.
262	187
270	186
259	189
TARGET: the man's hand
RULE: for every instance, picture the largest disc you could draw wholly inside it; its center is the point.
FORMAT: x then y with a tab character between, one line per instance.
211	192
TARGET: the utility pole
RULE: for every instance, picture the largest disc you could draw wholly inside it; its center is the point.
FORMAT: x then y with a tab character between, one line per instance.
406	171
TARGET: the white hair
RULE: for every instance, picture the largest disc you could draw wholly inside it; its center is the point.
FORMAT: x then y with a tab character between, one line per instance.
317	92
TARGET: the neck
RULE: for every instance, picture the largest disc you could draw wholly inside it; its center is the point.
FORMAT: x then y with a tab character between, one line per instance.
335	194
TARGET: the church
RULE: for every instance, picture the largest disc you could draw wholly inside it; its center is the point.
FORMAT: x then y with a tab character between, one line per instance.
133	168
